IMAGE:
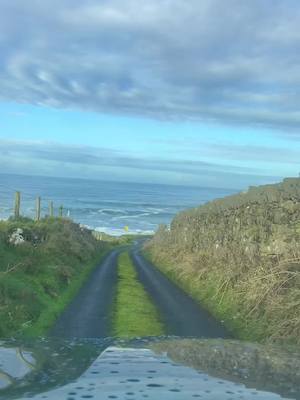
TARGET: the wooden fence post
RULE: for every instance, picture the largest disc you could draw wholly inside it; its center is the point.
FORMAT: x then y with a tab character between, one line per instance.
51	211
61	211
17	204
38	209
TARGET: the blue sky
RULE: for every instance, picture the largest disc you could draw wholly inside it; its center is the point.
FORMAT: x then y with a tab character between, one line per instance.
189	93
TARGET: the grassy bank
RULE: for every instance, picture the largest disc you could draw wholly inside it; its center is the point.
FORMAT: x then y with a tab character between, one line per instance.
257	308
43	264
240	257
134	314
207	292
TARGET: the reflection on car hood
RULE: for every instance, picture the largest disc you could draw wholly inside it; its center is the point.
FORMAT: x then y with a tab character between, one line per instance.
56	369
15	364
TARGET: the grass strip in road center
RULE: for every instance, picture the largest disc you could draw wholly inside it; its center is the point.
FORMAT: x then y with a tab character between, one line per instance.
134	313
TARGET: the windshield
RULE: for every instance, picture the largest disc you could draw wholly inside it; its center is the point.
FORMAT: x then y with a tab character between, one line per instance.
149	200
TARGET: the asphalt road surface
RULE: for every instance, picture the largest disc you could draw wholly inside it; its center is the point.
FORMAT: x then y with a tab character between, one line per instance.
89	314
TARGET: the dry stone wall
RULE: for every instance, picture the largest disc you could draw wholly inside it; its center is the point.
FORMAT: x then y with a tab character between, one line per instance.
261	225
240	256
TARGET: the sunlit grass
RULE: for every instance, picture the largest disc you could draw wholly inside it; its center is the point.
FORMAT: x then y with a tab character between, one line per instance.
134	313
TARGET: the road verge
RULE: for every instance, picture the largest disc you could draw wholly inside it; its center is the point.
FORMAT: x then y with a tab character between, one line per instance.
43	265
134	313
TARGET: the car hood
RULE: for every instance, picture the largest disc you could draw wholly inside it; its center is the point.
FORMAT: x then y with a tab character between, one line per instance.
147	368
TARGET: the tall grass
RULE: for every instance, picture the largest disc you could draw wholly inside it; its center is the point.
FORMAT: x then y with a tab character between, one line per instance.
262	304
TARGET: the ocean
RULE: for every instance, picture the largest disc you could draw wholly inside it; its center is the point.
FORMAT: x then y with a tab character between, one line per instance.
105	206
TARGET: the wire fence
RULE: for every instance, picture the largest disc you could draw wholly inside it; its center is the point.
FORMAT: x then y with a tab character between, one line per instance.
38	206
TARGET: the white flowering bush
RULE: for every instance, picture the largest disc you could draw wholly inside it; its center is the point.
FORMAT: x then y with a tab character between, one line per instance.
17	237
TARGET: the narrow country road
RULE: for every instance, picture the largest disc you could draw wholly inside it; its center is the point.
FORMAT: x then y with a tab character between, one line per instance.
88	315
181	314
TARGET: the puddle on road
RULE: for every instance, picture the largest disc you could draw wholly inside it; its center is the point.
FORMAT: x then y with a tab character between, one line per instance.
35	366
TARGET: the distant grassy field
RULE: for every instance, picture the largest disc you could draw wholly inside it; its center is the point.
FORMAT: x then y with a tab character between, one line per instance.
134	314
41	275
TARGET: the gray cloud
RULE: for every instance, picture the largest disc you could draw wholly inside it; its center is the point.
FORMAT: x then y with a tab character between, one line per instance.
93	156
253	153
236	152
226	61
274	157
53	159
